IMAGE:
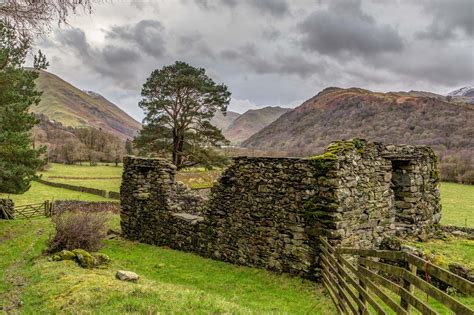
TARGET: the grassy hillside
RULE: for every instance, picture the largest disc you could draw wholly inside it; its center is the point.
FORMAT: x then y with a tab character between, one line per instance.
171	281
73	107
251	122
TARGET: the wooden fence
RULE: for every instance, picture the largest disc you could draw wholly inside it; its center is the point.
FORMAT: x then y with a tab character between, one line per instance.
34	210
387	282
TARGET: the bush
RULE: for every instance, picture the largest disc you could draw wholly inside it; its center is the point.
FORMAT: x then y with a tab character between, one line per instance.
78	229
468	178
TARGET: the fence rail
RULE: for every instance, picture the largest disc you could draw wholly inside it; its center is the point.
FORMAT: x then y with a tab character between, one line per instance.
362	281
34	210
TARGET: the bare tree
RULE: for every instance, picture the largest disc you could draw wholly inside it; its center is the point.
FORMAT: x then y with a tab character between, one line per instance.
34	17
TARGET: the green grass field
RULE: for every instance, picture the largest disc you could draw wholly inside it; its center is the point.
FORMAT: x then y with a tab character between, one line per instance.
171	281
458	204
39	193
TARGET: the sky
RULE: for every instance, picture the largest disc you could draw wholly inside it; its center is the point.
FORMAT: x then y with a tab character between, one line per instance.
268	52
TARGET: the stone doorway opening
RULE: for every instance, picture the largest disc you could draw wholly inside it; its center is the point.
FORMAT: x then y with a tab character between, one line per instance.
403	185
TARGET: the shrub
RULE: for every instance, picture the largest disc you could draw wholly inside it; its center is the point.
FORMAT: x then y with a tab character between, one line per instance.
468	178
89	206
78	229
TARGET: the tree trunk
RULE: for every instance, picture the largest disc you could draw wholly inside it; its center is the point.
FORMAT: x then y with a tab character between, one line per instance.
175	147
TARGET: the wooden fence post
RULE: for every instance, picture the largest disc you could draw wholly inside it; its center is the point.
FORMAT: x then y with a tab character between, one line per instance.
48	208
363	286
409	287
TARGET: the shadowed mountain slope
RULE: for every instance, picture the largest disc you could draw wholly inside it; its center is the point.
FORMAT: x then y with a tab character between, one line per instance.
252	121
223	122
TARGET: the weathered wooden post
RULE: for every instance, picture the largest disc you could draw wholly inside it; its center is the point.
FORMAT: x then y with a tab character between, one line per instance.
48	208
361	296
407	285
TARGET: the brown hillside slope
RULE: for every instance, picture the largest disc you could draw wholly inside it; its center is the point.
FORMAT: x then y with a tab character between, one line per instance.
252	121
73	107
389	117
223	122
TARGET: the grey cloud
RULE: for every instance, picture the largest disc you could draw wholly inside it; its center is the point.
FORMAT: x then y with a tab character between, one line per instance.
147	34
345	28
74	38
270	33
110	61
280	63
271	7
113	55
195	44
447	18
444	65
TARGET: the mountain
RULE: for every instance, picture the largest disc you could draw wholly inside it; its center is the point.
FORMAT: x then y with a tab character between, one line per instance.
464	91
389	117
72	107
223	122
251	122
465	94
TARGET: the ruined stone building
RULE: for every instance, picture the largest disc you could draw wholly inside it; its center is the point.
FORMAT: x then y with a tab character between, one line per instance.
270	212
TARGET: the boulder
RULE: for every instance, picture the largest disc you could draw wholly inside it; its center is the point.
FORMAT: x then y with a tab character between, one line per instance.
64	255
101	260
127	276
84	258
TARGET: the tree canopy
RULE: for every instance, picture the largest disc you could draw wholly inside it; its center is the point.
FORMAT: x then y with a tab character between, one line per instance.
19	161
179	101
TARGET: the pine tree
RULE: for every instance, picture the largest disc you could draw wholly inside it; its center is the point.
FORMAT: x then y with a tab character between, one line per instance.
179	101
19	161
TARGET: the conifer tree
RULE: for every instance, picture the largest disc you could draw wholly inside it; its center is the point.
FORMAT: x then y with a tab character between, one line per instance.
19	161
179	101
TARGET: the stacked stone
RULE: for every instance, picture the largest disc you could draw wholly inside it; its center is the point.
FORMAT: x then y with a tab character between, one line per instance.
145	190
7	209
184	199
256	215
416	188
363	195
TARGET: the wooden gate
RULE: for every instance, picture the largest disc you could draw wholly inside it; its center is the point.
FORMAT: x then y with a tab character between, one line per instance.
33	210
363	281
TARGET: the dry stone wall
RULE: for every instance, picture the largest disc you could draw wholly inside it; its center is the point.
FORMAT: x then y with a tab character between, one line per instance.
270	212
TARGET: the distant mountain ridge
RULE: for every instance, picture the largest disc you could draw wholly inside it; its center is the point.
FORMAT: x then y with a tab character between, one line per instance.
223	122
464	91
395	117
251	122
72	107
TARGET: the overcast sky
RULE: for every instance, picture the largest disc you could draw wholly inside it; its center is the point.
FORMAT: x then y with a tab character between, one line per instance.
268	52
